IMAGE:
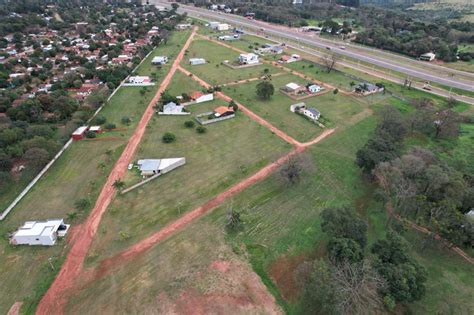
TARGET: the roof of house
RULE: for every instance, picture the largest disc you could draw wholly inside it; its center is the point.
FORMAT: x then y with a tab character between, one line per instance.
38	228
80	130
293	86
314	111
196	95
148	165
223	109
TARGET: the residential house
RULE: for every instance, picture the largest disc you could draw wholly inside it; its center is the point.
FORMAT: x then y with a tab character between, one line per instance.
199	97
139	80
229	37
368	88
95	129
172	109
150	167
295	108
294	88
159	60
312	113
218	26
248	59
40	232
79	133
181	27
314	88
223	111
289	59
197	61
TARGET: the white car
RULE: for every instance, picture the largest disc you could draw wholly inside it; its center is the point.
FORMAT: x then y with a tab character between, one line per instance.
130	166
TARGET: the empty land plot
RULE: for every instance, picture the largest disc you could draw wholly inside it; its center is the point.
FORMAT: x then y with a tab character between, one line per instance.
181	83
214	72
78	174
228	152
277	109
193	271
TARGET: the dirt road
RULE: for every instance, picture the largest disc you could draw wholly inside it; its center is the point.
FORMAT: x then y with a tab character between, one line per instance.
53	301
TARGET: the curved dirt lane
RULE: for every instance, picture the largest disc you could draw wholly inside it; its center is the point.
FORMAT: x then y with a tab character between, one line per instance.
53	301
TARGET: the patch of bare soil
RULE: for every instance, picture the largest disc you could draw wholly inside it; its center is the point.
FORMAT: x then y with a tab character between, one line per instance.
282	272
235	289
15	309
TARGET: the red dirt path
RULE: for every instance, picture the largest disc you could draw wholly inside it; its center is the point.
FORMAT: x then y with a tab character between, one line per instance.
53	301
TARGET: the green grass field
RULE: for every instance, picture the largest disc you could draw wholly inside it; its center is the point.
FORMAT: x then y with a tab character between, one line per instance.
74	176
213	71
228	152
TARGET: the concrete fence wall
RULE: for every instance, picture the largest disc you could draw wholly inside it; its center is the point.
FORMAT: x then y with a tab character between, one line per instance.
211	121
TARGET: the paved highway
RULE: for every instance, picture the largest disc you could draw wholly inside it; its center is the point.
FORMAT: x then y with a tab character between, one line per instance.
356	52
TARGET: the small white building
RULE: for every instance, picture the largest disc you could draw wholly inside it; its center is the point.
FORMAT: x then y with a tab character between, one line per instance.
229	37
40	232
218	26
314	88
248	59
297	107
159	60
312	113
139	80
150	167
428	57
172	109
197	61
183	26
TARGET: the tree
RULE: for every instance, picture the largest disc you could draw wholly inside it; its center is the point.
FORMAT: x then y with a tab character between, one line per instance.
126	120
447	124
234	105
201	129
318	290
168	137
330	62
119	184
189	124
265	90
344	222
335	91
36	157
342	250
233	219
405	277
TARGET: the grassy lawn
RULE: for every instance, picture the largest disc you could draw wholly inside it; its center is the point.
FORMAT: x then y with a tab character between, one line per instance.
213	71
336	108
74	176
228	152
249	42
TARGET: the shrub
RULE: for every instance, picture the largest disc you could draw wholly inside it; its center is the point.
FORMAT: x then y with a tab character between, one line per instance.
189	124
126	120
110	126
169	137
100	120
201	129
336	91
90	134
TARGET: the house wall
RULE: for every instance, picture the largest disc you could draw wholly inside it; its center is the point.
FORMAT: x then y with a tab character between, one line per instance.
34	240
205	98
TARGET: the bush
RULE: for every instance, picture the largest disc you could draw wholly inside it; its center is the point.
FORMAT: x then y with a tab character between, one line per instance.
110	126
90	134
126	120
100	120
169	137
189	124
335	91
201	129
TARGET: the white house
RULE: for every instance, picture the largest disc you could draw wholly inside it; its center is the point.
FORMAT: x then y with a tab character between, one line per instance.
172	109
218	26
40	232
428	57
139	80
312	113
248	59
199	97
229	37
314	88
159	60
197	61
183	26
150	167
297	107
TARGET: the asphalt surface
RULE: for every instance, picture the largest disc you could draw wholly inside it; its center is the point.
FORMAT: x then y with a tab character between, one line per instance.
384	59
